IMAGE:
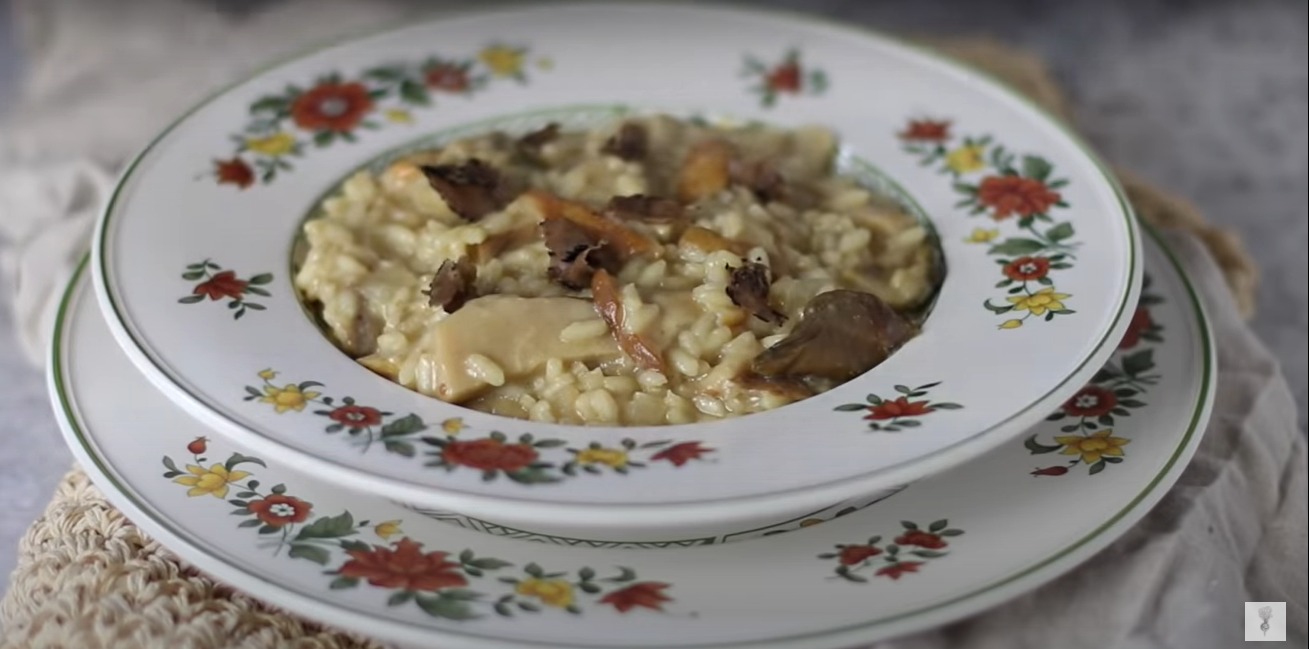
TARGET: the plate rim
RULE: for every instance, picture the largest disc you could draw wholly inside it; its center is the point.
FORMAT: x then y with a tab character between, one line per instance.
142	513
639	513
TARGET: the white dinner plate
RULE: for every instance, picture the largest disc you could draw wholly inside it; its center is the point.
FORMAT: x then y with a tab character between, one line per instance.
947	546
192	257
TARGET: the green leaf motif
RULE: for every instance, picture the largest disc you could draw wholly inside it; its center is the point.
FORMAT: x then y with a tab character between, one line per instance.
328	527
313	553
1038	448
1017	247
407	425
1138	363
1036	167
238	459
341	583
1060	232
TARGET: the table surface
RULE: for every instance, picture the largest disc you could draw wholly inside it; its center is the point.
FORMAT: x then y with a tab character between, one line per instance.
1207	99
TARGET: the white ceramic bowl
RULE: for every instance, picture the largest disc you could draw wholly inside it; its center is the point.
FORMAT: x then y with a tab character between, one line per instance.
1042	253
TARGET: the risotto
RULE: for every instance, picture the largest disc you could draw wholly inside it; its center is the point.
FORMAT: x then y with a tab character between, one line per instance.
653	271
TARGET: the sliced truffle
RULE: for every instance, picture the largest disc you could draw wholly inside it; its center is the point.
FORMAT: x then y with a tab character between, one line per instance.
629	143
453	285
748	288
841	335
626	242
604	292
647	209
472	189
760	177
575	254
529	146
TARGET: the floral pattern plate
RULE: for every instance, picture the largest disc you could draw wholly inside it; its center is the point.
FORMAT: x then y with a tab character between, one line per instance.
943	548
191	261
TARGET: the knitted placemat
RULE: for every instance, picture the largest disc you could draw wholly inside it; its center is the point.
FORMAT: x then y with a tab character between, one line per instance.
87	578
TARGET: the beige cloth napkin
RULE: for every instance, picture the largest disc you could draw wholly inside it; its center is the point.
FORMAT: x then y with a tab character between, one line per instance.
103	77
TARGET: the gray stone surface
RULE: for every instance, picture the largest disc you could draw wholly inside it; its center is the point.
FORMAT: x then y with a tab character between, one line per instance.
1205	98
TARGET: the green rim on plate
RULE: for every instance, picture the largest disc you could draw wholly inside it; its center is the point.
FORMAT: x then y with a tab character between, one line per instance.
59	387
1120	310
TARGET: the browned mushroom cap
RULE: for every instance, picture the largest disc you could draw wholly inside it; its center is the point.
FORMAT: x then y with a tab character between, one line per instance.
470	189
648	209
574	253
629	143
453	285
748	288
529	146
841	335
787	387
760	177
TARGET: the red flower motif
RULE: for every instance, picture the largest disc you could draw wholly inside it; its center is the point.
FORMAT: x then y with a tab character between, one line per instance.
682	453
1026	269
899	407
332	107
221	285
450	78
648	594
922	539
489	455
1091	401
1051	470
896	569
926	130
851	555
198	445
406	567
356	416
785	78
278	510
1141	322
1010	195
234	172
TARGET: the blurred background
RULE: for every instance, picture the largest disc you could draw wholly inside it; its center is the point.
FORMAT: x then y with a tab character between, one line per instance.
1208	99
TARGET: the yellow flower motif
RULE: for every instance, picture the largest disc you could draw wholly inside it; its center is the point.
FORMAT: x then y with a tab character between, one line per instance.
810	522
399	116
289	397
545	63
1093	447
982	235
212	481
387	529
277	144
965	159
268	375
552	592
613	457
1011	324
453	426
1039	302
503	61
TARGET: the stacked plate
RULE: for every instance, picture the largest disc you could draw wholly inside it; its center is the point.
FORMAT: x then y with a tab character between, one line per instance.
247	367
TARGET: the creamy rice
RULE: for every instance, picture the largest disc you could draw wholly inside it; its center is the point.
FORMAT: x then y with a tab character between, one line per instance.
530	347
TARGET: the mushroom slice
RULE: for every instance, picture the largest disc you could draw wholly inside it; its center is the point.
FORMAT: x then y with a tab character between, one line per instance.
453	285
604	291
705	171
841	334
760	177
646	209
748	288
631	142
471	190
626	242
